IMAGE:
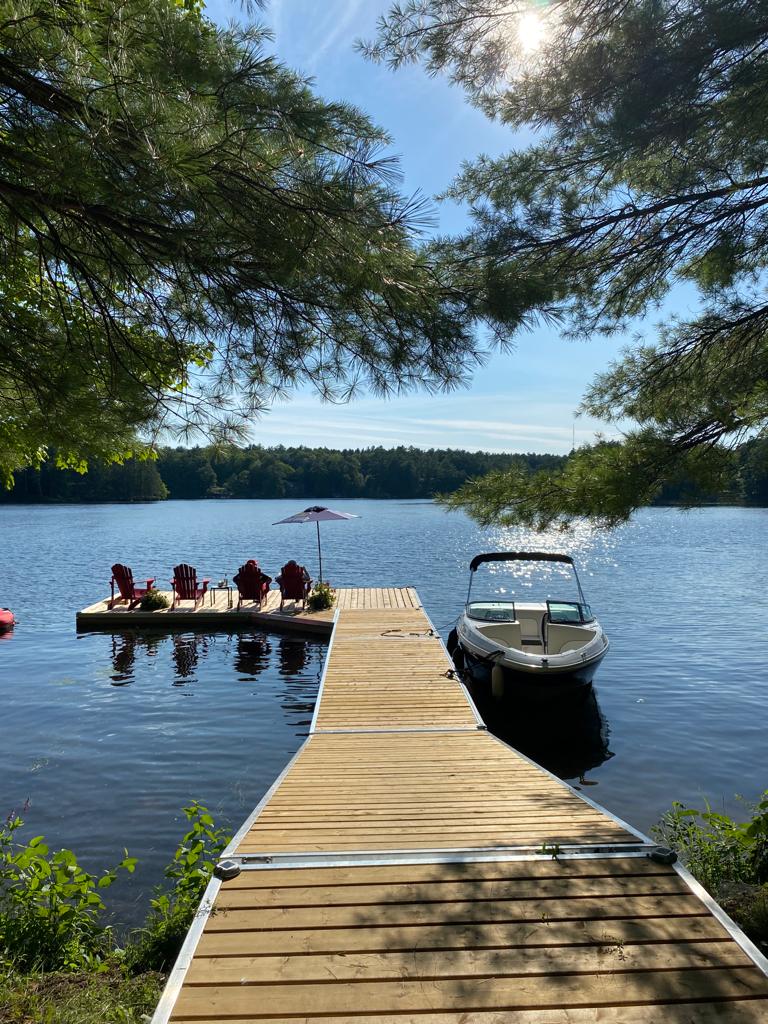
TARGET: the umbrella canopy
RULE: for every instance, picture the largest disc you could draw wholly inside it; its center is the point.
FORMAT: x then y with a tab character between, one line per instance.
316	514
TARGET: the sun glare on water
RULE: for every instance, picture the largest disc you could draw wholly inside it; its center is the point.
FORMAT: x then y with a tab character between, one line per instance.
530	31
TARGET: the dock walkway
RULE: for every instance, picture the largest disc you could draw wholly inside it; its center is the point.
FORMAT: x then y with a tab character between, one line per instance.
408	866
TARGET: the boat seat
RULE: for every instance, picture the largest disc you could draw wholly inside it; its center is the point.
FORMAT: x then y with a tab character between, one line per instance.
561	638
509	634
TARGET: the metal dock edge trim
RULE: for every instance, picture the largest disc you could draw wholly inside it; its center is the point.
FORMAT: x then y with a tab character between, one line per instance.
366	730
459	855
321	687
577	793
178	973
740	937
245	828
452	668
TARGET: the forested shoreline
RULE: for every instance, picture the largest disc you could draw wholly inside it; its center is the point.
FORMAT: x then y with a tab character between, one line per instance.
259	472
302	472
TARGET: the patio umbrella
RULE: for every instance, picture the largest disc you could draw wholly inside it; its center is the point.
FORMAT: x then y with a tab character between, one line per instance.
316	514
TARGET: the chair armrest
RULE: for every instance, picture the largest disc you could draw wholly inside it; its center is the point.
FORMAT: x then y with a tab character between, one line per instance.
204	583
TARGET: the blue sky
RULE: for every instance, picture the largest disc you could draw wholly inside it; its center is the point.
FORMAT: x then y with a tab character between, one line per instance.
521	401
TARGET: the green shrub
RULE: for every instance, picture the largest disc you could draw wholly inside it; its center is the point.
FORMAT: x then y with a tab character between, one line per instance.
729	858
156	945
321	597
152	600
50	908
715	848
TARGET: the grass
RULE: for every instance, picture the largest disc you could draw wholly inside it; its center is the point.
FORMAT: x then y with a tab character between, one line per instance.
83	997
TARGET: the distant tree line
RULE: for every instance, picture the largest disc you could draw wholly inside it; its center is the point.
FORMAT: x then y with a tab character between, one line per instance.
280	472
258	472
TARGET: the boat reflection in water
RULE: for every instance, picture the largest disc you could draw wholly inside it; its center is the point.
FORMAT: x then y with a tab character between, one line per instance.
568	737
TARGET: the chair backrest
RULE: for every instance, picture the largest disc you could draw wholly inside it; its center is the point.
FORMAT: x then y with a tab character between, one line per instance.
293	580
249	581
185	580
124	580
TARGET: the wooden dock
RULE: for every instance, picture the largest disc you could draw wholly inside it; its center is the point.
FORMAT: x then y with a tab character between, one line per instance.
409	867
219	610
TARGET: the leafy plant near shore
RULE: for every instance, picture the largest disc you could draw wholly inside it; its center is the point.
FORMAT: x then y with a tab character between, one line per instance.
321	597
50	908
152	600
51	911
729	858
156	945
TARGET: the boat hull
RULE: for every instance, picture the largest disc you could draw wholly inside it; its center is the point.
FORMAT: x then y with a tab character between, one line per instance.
544	681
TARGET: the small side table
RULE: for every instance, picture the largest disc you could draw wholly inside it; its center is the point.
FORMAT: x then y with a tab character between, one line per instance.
212	591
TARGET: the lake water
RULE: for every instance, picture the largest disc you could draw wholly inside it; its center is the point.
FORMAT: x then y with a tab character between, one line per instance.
105	738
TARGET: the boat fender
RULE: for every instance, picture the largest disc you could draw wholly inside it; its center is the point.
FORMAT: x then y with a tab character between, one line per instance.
663	855
227	869
452	642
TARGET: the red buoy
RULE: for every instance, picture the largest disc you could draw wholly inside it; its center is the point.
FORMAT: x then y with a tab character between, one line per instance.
6	620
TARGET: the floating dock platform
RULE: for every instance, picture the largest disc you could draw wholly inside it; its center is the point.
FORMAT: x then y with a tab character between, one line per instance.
409	867
219	610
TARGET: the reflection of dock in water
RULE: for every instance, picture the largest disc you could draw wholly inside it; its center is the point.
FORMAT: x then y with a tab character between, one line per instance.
291	665
568	736
409	866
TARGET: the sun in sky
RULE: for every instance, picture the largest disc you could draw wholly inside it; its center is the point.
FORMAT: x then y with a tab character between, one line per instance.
530	31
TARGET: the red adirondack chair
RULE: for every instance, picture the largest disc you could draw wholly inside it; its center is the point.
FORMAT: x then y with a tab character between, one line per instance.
252	584
122	577
185	585
294	582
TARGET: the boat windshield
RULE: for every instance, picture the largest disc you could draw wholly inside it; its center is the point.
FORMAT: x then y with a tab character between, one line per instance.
492	611
569	613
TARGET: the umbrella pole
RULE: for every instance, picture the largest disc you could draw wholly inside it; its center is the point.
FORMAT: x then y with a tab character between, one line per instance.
319	552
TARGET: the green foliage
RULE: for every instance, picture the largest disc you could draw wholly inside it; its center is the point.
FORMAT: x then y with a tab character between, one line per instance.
186	231
257	472
153	600
729	858
605	482
156	945
753	471
647	168
50	908
717	849
321	597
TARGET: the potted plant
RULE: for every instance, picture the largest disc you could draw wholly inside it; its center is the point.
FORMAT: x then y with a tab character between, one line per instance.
321	597
153	600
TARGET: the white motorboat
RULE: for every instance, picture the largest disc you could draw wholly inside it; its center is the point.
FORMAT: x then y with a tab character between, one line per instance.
545	644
